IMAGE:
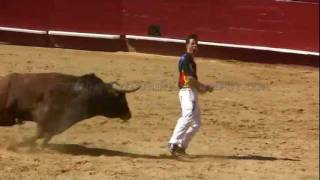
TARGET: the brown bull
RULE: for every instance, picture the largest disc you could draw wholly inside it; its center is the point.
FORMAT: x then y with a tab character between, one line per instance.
57	101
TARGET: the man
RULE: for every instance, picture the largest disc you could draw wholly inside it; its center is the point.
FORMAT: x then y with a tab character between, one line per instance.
189	122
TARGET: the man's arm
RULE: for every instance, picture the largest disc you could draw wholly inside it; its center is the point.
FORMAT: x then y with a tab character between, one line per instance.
202	88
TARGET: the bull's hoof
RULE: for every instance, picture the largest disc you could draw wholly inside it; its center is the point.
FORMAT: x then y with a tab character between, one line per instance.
19	122
45	146
12	147
27	143
7	123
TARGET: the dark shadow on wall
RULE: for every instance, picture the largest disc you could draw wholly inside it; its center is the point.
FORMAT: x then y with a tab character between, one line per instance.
258	56
157	47
224	53
24	39
92	44
68	42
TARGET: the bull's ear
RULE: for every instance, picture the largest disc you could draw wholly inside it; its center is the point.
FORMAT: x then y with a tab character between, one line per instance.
109	89
113	92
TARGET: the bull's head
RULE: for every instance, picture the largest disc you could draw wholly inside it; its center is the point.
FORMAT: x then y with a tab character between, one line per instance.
116	102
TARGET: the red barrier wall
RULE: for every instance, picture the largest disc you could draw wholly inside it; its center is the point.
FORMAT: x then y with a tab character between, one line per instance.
98	16
271	23
292	25
25	14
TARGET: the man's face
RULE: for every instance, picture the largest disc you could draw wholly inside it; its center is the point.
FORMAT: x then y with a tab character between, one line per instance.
192	46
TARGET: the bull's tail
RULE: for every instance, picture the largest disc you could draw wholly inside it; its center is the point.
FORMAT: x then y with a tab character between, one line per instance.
4	91
5	118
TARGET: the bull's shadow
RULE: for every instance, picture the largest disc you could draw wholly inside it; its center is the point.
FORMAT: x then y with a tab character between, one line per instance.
76	149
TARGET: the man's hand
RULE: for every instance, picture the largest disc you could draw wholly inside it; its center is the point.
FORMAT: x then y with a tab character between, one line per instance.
209	88
205	88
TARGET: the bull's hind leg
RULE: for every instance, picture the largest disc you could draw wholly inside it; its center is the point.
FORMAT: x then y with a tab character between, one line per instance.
6	120
8	115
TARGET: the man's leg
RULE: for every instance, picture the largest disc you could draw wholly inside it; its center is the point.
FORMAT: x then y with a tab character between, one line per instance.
184	122
180	129
194	127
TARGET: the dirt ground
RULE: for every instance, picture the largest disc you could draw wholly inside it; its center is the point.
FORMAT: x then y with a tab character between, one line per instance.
261	122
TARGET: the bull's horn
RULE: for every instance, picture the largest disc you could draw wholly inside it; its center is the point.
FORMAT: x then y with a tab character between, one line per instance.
114	82
117	87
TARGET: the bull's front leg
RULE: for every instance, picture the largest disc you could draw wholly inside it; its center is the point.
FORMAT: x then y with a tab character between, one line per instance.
41	133
32	140
46	139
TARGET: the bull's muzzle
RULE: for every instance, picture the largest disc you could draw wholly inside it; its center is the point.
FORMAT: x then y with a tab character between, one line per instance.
126	117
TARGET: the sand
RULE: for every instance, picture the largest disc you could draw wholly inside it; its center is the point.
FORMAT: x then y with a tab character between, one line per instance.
261	122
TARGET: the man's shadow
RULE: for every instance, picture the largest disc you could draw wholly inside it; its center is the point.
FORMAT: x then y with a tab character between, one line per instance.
76	149
244	157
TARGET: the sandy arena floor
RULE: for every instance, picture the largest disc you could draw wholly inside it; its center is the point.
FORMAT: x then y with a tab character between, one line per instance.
261	122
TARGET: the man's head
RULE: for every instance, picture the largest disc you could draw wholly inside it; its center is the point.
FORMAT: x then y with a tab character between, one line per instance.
192	44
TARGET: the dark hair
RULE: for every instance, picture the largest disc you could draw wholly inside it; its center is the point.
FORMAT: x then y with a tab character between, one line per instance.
192	36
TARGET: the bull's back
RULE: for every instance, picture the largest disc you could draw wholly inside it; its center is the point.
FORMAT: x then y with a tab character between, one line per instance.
41	79
26	90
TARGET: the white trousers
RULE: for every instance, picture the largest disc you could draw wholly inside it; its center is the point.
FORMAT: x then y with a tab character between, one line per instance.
189	122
